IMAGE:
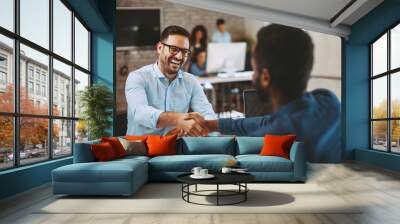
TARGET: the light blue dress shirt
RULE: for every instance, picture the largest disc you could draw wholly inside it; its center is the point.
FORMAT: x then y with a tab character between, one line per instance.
219	37
149	93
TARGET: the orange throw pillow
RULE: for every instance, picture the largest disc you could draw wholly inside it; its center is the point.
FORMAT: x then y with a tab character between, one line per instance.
136	137
277	145
116	145
103	152
161	145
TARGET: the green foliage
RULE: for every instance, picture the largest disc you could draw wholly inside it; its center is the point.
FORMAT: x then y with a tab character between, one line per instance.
96	102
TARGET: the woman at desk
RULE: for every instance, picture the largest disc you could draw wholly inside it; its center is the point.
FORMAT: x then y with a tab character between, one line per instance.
198	38
198	65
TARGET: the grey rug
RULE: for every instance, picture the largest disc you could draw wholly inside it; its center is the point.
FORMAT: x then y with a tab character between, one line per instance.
166	198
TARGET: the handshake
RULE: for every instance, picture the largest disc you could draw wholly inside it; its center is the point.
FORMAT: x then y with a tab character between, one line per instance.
191	124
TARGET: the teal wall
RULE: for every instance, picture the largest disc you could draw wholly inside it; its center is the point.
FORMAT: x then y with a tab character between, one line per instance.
103	52
355	100
99	15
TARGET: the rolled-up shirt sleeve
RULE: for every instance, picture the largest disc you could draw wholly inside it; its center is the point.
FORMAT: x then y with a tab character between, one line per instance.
136	98
199	102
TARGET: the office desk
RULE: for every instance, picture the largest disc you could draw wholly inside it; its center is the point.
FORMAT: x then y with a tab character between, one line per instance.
225	92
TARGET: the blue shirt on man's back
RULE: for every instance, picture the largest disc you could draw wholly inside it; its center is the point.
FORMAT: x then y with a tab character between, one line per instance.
314	118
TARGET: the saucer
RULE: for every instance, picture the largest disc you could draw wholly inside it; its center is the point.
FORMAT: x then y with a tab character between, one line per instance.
208	176
240	171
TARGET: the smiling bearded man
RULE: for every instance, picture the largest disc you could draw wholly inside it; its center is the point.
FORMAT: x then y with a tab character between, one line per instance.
160	95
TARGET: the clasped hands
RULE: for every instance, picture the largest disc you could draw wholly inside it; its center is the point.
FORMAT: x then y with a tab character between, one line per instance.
190	124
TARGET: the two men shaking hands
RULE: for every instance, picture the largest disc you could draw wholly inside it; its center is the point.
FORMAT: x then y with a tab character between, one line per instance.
160	95
193	124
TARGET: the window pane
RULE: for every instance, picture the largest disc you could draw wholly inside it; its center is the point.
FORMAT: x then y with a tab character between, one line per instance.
81	81
62	29
62	138
395	95
34	78
395	47
33	140
379	97
395	136
62	89
379	135
81	131
379	55
35	21
6	142
7	14
81	45
6	74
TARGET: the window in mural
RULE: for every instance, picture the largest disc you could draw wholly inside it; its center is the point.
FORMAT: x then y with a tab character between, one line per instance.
385	94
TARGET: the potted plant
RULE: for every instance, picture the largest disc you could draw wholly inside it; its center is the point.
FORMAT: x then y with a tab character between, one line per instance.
96	102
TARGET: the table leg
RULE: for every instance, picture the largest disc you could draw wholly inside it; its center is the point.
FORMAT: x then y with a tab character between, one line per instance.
196	187
188	189
217	194
245	193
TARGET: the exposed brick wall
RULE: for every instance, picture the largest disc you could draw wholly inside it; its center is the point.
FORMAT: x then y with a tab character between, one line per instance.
128	61
172	14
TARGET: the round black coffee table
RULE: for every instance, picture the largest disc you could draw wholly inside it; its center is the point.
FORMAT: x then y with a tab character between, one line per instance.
238	179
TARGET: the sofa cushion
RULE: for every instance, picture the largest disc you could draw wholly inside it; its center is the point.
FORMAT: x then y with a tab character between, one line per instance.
185	163
257	163
132	159
134	147
249	145
103	152
83	152
207	145
112	171
116	145
161	145
93	172
277	145
136	137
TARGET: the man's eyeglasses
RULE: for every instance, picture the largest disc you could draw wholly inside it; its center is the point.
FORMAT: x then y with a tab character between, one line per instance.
175	50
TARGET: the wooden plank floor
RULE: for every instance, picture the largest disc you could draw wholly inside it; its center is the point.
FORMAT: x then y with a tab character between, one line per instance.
377	188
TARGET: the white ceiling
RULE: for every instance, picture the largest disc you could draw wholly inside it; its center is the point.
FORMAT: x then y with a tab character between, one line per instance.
314	15
321	9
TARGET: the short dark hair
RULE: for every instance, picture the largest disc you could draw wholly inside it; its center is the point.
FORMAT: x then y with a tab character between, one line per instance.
220	21
288	55
203	40
174	30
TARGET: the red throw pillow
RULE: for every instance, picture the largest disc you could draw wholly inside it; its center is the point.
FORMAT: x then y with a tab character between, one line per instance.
161	145
116	145
277	145
103	152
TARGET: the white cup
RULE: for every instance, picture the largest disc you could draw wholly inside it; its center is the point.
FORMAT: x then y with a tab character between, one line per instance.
203	172
196	171
226	170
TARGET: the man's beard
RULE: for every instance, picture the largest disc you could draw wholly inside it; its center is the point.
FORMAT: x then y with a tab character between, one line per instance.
168	67
262	93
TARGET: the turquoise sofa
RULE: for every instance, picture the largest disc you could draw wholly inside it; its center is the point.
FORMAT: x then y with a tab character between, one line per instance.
125	176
